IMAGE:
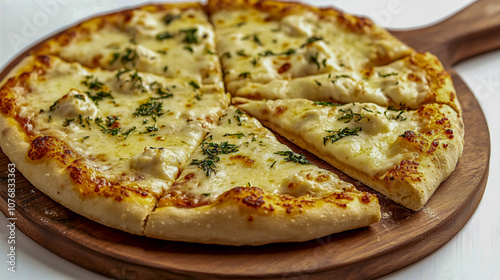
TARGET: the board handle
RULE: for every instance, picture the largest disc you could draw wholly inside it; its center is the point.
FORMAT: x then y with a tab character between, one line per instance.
472	31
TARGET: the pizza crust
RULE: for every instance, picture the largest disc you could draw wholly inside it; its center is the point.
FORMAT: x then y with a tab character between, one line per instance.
230	221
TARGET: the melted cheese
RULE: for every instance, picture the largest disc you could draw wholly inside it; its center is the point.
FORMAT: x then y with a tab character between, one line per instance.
249	42
59	104
398	83
372	150
254	164
134	44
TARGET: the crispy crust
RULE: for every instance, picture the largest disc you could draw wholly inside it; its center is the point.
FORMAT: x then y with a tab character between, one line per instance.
248	216
412	181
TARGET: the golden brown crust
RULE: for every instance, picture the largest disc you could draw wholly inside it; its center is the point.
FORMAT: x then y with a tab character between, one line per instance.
248	216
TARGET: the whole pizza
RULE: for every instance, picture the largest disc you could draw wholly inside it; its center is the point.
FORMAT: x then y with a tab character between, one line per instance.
156	121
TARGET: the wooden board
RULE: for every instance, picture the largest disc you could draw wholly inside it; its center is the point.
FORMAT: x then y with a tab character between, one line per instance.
401	238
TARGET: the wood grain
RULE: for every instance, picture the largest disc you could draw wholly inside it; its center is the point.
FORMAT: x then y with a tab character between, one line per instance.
401	238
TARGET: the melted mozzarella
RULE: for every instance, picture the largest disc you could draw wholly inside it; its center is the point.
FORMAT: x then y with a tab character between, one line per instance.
111	131
255	163
295	46
134	44
372	150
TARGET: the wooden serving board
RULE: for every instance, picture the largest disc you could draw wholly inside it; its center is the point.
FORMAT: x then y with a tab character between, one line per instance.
400	238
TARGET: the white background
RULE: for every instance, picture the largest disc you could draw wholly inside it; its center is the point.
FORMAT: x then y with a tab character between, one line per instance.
474	253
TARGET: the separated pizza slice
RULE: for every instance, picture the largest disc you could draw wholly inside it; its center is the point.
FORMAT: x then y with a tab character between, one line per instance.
403	154
105	144
266	44
243	187
410	82
173	40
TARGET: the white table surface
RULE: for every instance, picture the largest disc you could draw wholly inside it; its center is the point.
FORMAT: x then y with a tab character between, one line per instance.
474	253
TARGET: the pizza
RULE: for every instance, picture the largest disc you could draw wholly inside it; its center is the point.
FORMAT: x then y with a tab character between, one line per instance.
155	121
403	154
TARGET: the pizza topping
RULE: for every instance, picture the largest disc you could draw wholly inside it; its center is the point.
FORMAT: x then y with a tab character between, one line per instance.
158	163
293	157
97	90
74	104
213	150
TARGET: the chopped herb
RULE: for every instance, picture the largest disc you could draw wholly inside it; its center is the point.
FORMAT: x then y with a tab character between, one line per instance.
324	63
194	84
244	75
368	110
188	48
226	54
113	131
387	75
349	115
137	81
271	53
318	83
324	103
67	122
191	37
254	61
85	138
171	17
130	55
96	89
256	40
80	96
342	76
164	93
240	24
164	35
165	69
239	135
238	115
115	57
206	194
162	51
311	40
53	106
111	120
127	133
213	150
150	108
398	116
122	71
207	50
314	59
341	133
272	165
150	129
293	157
241	53
197	96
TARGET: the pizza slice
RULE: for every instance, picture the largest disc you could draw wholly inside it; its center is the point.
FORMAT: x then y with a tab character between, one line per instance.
173	40
406	83
403	154
105	144
243	187
264	45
